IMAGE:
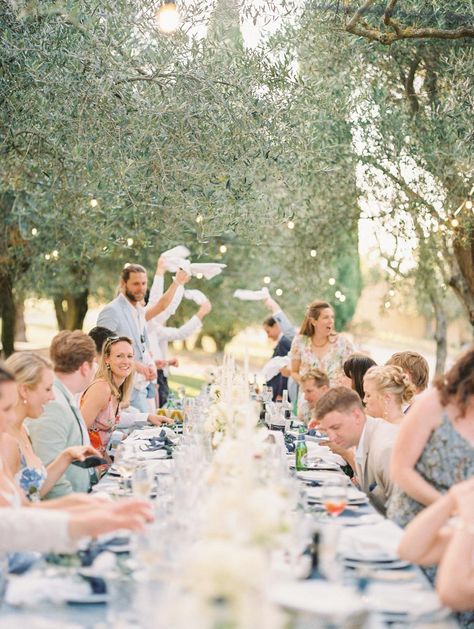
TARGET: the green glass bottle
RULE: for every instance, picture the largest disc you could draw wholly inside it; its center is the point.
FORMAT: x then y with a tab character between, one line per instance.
301	451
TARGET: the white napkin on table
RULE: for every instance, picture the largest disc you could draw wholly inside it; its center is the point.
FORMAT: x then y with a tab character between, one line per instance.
271	368
324	453
197	296
378	542
251	295
32	589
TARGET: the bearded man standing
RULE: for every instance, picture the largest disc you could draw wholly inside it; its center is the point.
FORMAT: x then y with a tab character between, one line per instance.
126	316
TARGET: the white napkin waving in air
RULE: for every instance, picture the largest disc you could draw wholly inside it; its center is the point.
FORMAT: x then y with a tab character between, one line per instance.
273	366
197	296
251	295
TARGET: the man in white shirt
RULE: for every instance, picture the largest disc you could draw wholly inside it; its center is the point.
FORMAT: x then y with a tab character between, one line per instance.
160	335
341	416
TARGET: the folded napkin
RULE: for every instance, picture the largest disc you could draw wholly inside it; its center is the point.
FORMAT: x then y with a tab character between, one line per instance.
378	542
318	476
32	589
197	296
324	453
163	467
251	295
177	252
273	366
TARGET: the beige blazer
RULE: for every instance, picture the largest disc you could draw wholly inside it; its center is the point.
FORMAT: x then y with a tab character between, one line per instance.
374	470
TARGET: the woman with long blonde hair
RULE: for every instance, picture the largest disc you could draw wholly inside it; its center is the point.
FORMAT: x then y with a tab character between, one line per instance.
33	375
111	388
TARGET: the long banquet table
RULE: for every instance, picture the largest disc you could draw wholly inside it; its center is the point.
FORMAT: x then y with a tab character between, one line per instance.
128	592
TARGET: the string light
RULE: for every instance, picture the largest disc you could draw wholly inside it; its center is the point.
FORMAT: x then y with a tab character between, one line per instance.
290	225
199	276
223	249
337	294
455	222
47	256
468	204
94	202
55	254
199	218
267	279
391	292
168	18
331	281
387	305
312	253
34	231
278	292
342	298
129	242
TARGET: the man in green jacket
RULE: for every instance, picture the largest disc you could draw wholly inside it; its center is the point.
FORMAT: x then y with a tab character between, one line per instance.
62	425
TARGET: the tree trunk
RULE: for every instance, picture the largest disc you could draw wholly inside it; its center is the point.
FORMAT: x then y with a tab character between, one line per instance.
71	310
440	334
20	325
7	312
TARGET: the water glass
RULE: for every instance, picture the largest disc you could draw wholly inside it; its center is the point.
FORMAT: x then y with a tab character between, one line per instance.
334	495
143	481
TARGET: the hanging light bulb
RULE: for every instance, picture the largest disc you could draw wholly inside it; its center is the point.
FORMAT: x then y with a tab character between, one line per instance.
331	281
129	242
199	276
94	202
168	17
199	218
290	225
223	249
34	231
468	204
312	253
267	279
278	292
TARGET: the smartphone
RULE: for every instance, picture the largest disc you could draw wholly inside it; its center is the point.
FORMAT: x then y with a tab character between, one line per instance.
90	461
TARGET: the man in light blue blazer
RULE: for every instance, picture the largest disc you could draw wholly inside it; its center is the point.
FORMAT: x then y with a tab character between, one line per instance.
61	425
126	316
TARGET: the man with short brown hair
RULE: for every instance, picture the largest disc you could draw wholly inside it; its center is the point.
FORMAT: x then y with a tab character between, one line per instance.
61	425
414	365
314	384
341	416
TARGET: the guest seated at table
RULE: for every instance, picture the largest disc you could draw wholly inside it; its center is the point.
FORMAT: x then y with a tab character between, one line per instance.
435	447
34	376
62	425
434	538
355	368
11	494
415	366
387	389
341	416
99	335
314	384
113	383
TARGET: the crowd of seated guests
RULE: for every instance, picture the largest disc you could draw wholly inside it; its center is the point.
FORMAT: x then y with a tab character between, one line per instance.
410	447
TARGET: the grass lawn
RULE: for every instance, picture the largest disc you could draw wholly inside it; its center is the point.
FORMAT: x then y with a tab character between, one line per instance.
191	384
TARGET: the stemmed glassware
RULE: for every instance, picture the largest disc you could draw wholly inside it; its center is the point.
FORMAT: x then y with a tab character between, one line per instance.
334	495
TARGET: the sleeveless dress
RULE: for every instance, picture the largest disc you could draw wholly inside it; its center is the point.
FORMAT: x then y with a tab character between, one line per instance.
12	496
31	479
104	424
447	459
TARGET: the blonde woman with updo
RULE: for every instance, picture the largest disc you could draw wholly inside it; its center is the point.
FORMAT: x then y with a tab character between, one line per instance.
318	346
387	389
34	380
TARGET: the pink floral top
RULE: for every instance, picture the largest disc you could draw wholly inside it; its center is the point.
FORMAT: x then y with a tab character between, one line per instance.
332	361
104	424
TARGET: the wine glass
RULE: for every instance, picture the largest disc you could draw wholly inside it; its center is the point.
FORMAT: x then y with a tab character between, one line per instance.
142	481
125	461
334	495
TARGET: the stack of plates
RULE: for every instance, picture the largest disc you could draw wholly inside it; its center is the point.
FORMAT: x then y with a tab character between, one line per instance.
398	602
